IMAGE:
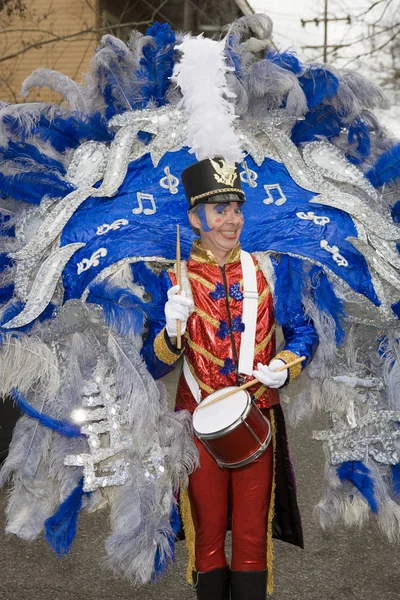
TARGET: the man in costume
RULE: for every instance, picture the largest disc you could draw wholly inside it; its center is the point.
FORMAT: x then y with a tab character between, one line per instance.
216	353
91	196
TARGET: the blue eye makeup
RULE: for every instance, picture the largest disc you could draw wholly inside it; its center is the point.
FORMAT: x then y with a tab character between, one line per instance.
203	219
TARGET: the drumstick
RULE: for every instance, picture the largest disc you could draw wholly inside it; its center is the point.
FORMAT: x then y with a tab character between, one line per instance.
178	282
251	382
296	361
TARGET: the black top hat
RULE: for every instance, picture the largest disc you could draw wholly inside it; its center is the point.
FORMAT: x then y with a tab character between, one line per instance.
207	178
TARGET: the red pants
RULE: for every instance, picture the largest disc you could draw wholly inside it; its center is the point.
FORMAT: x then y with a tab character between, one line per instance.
250	491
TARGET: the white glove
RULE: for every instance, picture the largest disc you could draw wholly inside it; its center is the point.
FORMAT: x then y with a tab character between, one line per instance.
177	309
266	374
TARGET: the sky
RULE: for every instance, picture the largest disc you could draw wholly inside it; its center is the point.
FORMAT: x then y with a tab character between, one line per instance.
290	34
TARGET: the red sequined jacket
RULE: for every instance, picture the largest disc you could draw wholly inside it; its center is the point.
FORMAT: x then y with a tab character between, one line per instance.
213	333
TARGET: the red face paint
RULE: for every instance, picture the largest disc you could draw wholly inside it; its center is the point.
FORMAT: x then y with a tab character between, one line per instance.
218	220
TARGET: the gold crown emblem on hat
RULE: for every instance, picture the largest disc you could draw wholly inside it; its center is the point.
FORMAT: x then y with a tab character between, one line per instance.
223	172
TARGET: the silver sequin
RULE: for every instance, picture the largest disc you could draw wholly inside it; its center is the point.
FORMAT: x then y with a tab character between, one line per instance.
251	145
44	285
88	164
376	262
102	424
330	162
375	434
358	209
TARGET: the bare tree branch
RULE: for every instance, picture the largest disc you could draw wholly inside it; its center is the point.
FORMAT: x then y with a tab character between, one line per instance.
365	38
10	89
374	50
370	8
68	36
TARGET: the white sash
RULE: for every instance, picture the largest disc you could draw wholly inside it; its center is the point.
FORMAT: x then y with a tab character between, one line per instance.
249	313
192	383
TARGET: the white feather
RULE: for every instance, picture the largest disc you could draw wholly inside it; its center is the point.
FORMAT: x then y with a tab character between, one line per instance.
27	363
201	76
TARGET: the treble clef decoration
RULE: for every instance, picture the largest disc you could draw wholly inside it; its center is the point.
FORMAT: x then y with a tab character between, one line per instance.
248	175
169	182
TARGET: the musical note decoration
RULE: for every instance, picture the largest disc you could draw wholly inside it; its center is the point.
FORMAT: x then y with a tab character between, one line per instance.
141	197
271	197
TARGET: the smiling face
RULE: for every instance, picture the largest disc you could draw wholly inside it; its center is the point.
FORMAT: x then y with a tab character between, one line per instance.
220	227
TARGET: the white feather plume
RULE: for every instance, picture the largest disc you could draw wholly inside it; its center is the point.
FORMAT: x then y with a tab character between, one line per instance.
207	101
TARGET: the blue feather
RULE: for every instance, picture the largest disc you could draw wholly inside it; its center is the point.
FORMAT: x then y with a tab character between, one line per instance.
6	229
5	261
396	480
123	310
289	287
61	427
161	561
61	527
323	121
396	219
6	293
31	186
287	60
326	300
387	167
396	212
63	132
359	475
359	132
23	154
157	63
318	85
10	312
156	287
396	309
145	137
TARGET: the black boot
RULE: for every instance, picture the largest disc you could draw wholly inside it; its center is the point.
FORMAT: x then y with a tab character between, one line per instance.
212	585
248	585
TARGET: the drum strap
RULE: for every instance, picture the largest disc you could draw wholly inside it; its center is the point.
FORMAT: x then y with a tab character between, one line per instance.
249	319
249	313
192	383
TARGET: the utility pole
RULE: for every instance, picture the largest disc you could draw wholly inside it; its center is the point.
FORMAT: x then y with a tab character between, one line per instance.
325	31
325	20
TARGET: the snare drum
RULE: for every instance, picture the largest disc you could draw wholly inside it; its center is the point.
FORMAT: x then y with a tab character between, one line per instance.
233	430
